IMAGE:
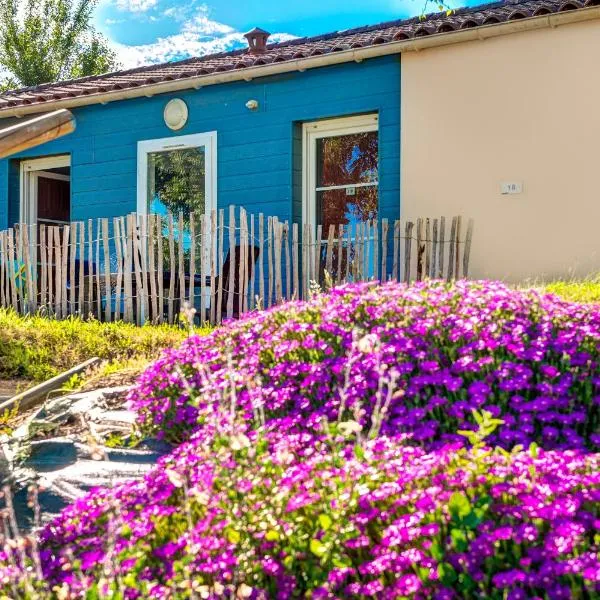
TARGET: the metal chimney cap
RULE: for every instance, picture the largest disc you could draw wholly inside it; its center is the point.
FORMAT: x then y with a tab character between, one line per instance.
257	40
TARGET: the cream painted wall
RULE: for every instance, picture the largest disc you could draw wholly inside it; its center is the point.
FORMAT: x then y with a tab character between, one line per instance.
520	108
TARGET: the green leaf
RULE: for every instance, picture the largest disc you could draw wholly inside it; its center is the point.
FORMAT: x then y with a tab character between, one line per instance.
359	452
437	551
272	535
459	505
447	574
233	536
325	521
459	540
317	547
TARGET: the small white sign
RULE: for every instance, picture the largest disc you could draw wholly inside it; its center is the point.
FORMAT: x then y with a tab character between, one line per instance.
351	191
511	187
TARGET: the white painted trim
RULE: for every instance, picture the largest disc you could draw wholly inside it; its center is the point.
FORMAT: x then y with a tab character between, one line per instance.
29	172
315	130
471	34
49	175
208	140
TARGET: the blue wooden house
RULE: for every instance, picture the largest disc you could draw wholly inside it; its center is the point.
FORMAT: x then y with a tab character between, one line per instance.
259	130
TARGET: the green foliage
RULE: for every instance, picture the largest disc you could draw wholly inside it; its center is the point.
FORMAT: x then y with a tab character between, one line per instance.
587	290
38	348
42	41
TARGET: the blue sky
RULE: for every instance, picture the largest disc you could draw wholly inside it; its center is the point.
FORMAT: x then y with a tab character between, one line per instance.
147	31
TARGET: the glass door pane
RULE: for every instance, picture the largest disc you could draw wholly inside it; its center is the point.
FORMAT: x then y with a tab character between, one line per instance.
346	191
177	184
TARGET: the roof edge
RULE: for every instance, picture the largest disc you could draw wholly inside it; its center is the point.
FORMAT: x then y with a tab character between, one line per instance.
479	33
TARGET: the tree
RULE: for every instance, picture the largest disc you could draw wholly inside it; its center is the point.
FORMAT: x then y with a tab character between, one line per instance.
42	41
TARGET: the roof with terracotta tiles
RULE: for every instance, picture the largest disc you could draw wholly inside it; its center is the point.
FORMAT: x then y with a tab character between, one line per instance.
362	37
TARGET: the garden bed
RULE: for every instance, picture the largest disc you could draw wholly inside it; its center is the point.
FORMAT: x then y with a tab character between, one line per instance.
382	441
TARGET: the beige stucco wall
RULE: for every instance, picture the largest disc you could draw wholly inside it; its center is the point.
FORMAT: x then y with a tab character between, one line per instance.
521	108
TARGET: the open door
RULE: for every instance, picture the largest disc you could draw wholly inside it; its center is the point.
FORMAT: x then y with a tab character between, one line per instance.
46	191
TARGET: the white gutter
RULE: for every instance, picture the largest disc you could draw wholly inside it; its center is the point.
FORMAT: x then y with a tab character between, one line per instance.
333	58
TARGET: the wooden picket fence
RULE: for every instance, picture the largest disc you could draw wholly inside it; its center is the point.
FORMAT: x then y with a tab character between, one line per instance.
148	268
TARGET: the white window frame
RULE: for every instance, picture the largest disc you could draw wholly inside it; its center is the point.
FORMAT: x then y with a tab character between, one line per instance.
194	140
315	130
30	170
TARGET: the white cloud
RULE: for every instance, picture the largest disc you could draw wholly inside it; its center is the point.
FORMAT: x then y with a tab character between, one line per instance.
113	21
136	6
198	36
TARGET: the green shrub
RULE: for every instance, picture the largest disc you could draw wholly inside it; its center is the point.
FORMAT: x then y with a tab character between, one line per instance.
37	348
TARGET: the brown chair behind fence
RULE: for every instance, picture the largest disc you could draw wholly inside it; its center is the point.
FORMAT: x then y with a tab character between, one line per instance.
253	254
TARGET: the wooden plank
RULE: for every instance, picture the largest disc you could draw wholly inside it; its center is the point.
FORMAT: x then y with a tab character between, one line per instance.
420	249
119	255
71	256
28	133
180	261
205	259
295	288
367	247
450	274
137	268
35	395
214	257
231	279
315	254
57	264
192	269
43	267
340	257
277	234
90	307
427	247
261	259
19	267
244	261
34	263
81	290
349	246
127	228
160	268
375	262
442	248
221	273
28	271
467	251
288	272
11	270
171	298
142	238
107	286
3	261
151	273
457	249
51	269
384	245
270	285
407	249
65	265
329	251
98	287
213	265
434	248
396	250
253	278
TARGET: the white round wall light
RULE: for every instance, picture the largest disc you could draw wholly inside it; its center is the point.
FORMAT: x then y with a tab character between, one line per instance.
176	114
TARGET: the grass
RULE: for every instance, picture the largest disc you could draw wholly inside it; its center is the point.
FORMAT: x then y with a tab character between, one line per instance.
36	348
587	290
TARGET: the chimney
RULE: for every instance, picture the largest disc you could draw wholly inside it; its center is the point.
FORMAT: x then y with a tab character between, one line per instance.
257	40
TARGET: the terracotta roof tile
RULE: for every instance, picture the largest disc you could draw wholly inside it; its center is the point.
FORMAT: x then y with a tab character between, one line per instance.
361	37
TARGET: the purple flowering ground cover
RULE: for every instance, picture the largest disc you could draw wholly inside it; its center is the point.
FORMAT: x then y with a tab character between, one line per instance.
378	441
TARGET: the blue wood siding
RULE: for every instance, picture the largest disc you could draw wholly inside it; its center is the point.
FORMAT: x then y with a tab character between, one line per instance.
257	152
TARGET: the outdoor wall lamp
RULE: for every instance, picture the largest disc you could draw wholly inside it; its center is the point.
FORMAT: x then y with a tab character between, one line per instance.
252	104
